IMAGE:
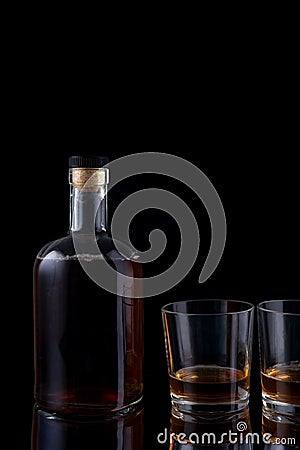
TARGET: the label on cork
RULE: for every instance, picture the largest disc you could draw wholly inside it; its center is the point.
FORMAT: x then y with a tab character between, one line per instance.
88	178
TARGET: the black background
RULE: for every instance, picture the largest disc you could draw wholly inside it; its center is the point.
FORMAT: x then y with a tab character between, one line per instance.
253	167
246	145
221	93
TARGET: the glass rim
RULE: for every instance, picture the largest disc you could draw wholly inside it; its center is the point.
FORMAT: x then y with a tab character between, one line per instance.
228	313
264	308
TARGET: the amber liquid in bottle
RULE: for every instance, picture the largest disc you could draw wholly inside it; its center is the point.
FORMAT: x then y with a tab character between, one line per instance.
88	341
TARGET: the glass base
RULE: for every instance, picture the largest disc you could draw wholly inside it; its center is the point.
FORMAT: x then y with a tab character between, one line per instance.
95	414
281	428
187	410
276	407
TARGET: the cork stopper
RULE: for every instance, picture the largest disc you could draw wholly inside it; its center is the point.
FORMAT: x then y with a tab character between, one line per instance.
90	179
87	172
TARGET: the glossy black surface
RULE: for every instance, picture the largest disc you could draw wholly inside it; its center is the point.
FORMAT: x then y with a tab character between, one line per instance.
150	428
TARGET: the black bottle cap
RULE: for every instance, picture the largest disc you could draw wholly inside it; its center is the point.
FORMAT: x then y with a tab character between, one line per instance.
92	161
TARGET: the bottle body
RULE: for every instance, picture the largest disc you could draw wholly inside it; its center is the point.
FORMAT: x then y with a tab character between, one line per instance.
88	342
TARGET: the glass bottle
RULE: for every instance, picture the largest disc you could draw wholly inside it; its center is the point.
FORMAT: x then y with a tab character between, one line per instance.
88	341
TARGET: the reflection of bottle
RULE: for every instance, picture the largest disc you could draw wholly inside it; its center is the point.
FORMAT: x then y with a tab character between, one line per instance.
232	434
122	433
88	342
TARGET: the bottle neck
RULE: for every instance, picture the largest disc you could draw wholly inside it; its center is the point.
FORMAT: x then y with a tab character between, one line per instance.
88	206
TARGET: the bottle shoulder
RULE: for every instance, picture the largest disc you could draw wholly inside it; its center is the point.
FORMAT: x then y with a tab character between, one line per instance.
63	248
59	248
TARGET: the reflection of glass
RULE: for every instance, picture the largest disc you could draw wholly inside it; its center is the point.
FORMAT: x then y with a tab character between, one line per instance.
280	429
208	346
279	326
122	433
230	434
